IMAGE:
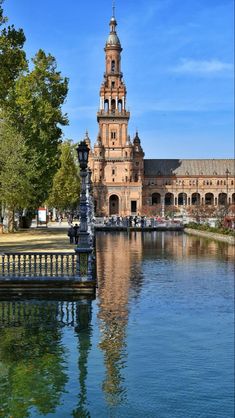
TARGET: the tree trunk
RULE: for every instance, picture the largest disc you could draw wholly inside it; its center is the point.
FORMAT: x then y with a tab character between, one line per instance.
10	220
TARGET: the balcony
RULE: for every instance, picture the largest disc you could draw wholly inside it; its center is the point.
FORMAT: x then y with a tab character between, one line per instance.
113	113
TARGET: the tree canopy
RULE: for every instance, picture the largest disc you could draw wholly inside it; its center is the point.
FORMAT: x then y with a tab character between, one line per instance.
31	119
35	107
12	55
17	174
66	183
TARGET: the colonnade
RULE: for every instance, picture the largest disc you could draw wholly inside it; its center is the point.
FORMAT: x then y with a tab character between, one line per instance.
188	199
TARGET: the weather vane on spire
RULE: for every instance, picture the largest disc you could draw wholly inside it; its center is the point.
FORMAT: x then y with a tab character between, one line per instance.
113	8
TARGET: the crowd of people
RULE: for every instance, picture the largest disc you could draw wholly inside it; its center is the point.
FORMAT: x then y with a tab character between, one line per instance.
119	221
127	221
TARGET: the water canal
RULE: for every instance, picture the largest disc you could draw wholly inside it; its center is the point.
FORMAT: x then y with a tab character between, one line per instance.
157	341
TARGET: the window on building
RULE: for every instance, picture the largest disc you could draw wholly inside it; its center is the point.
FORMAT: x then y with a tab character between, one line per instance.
113	171
113	66
113	135
113	84
231	182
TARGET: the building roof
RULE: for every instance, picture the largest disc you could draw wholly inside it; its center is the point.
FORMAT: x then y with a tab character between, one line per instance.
113	39
210	167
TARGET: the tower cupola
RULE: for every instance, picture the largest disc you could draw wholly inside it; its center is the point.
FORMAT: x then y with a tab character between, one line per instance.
113	40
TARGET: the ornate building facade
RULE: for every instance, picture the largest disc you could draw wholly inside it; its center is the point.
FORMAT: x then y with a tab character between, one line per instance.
124	182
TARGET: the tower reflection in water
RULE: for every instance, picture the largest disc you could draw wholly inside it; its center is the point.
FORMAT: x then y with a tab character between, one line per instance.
48	364
119	277
33	356
120	261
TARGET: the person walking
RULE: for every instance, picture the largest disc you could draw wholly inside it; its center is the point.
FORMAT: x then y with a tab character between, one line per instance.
71	234
76	234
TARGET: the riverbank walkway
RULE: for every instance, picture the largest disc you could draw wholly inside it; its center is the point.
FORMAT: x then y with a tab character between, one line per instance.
136	224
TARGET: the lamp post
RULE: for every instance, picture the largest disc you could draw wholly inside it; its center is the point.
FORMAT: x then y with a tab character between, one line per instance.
163	206
84	250
197	200
90	205
83	154
184	211
227	173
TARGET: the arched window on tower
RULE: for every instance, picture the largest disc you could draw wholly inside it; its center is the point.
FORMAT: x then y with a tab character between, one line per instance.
113	66
120	106
106	105
113	105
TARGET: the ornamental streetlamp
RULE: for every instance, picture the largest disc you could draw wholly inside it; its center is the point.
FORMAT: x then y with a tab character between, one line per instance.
83	154
84	248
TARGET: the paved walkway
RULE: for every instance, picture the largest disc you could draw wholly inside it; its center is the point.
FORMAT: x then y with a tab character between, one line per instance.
37	239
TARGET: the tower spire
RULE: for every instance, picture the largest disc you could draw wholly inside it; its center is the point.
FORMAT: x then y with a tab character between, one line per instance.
113	8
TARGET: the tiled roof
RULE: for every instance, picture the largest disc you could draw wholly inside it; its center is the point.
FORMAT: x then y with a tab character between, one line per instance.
210	167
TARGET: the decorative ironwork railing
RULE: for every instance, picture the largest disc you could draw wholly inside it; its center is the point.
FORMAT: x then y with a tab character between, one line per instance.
33	313
58	265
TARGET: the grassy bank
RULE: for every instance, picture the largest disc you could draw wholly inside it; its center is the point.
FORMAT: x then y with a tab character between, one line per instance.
207	228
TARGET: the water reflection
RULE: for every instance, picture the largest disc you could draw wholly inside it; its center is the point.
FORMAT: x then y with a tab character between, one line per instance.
166	295
120	260
177	245
33	358
119	271
84	333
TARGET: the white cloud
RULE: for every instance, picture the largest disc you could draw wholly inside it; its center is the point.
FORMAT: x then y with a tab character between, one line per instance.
188	66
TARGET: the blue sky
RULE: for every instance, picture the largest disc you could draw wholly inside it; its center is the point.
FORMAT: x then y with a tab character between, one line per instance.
177	62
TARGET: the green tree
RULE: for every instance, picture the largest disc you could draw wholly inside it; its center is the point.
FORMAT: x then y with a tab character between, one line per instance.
35	107
32	362
17	174
66	183
12	56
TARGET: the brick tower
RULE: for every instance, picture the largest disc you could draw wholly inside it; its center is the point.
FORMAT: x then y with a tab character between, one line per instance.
116	162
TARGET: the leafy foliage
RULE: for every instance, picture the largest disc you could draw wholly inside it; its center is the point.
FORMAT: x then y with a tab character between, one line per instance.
12	56
205	227
35	107
18	170
66	183
31	118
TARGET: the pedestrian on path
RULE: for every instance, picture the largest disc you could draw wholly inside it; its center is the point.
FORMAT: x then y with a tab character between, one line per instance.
76	230
71	234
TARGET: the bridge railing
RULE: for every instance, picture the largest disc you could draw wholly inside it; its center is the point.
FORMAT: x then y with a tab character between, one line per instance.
57	265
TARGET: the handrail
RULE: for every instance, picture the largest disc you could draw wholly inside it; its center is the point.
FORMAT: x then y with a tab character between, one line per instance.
46	265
